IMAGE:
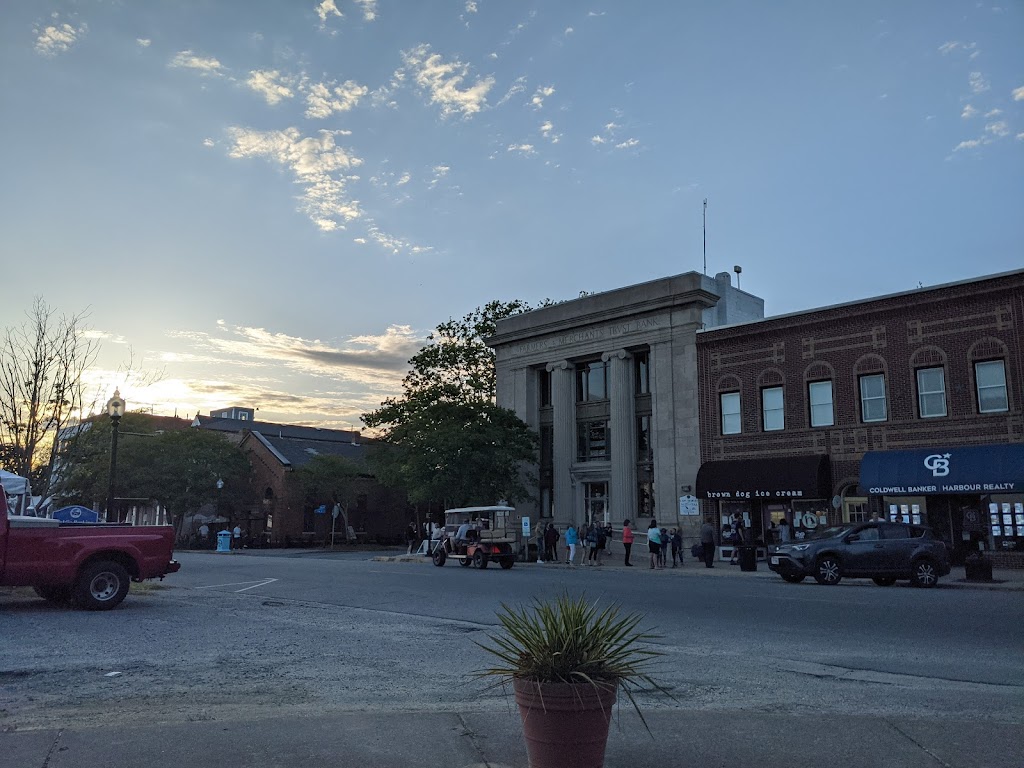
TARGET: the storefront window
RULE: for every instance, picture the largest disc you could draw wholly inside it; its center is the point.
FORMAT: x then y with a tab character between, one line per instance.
1006	521
991	380
809	515
855	509
592	441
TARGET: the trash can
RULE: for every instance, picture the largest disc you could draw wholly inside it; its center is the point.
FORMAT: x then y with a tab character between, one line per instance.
224	541
748	557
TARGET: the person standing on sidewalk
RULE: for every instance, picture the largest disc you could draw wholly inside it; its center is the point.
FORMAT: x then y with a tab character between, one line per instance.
572	538
551	537
627	540
540	543
592	537
410	537
654	542
707	544
676	540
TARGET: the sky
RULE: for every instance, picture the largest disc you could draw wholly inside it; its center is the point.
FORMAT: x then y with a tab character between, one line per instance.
270	204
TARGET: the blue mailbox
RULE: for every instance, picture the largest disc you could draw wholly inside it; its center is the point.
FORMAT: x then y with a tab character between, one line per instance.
224	541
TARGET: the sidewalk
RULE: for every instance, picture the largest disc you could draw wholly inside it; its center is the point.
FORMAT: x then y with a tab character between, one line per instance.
475	739
1006	580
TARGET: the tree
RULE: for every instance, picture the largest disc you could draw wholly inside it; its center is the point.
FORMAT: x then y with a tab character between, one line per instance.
330	480
41	387
179	469
445	439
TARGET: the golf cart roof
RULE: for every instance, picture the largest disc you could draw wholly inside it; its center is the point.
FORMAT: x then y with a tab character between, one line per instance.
471	510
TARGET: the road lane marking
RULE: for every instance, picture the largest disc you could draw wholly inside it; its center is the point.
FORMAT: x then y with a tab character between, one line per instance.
253	584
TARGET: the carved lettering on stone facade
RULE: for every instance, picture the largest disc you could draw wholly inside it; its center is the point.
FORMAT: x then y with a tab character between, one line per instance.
611	331
999	319
873	339
775	354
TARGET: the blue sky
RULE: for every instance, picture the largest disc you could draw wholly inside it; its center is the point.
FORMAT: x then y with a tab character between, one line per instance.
270	204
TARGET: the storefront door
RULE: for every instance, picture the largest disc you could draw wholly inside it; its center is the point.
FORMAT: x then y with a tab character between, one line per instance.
595	500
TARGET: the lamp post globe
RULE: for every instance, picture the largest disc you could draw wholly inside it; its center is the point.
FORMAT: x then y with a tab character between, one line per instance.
115	410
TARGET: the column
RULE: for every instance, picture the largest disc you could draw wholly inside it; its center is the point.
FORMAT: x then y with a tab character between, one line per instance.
623	438
563	405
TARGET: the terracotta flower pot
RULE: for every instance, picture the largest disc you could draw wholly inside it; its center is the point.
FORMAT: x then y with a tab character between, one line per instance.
565	724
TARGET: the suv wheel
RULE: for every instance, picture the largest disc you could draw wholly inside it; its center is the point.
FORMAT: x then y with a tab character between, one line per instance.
924	574
828	571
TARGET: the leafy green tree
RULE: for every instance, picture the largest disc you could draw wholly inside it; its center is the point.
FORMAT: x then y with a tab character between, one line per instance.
179	468
445	439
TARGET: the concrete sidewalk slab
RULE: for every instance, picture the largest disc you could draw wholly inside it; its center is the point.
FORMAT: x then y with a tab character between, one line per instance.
473	739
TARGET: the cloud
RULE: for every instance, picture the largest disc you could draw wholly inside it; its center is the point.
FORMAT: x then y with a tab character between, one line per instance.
524	149
270	85
597	140
470	6
203	65
369	9
324	99
208	142
627	144
969	144
542	93
547	130
978	83
1018	94
444	82
440	171
325	9
143	42
569	31
394	244
954	45
994	113
998	128
58	39
317	164
404	179
518	86
968	112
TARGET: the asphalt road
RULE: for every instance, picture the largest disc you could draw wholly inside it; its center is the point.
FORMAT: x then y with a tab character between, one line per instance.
249	636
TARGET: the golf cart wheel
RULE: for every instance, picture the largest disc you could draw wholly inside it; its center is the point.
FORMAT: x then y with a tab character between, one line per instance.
439	556
507	562
465	562
479	559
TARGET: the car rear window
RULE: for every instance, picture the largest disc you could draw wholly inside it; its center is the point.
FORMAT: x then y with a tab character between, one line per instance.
894	532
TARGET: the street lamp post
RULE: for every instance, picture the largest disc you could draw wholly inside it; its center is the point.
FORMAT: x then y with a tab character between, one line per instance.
115	409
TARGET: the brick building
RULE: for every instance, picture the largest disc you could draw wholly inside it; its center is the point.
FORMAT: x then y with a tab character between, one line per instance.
911	405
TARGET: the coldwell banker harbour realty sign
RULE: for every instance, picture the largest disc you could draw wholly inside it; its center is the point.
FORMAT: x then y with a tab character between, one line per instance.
977	469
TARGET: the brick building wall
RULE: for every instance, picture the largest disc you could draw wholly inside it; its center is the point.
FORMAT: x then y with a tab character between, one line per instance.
952	327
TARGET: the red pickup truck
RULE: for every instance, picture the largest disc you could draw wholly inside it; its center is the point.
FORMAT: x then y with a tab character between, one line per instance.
87	564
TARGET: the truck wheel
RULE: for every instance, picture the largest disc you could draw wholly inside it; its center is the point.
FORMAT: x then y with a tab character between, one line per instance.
479	559
101	586
58	595
439	556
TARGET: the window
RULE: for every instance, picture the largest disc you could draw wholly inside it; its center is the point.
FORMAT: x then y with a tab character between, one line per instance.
243	416
868	534
591	382
931	392
544	385
645	499
991	380
592	440
872	398
772	409
820	393
732	424
643	438
547	447
643	372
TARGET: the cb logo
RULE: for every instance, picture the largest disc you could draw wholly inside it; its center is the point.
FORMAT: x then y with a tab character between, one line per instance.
938	464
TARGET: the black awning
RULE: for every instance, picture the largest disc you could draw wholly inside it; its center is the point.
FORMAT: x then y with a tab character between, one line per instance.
778	477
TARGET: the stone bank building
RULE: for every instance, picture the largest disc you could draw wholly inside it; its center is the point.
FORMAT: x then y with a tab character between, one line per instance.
677	398
609	382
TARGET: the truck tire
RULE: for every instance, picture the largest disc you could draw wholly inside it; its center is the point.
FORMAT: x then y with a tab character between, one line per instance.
58	595
101	585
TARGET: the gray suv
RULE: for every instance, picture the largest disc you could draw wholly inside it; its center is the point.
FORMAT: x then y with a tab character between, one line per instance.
882	552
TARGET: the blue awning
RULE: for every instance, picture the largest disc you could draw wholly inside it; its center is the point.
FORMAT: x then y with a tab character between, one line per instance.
976	469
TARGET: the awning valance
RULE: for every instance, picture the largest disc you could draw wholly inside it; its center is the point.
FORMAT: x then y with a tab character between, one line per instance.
778	477
964	470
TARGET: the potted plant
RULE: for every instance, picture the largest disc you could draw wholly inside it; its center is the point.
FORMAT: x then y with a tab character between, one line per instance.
567	659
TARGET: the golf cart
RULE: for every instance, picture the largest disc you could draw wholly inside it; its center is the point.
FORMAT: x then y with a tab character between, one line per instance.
487	534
